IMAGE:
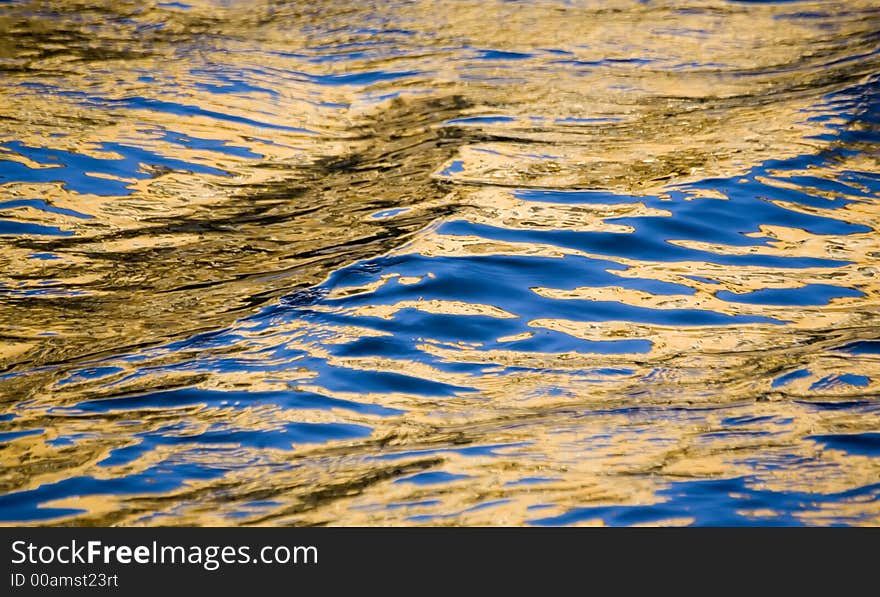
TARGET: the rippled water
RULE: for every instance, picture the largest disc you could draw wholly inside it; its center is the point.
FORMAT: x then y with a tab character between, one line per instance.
448	262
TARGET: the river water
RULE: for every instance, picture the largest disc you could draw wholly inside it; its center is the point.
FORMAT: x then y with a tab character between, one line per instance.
439	263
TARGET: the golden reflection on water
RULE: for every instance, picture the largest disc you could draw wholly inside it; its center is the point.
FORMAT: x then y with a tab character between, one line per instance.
212	162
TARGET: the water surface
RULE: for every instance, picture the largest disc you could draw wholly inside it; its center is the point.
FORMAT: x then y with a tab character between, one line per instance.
439	263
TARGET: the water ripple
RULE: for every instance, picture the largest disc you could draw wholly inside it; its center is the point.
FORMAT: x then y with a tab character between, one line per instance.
407	263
